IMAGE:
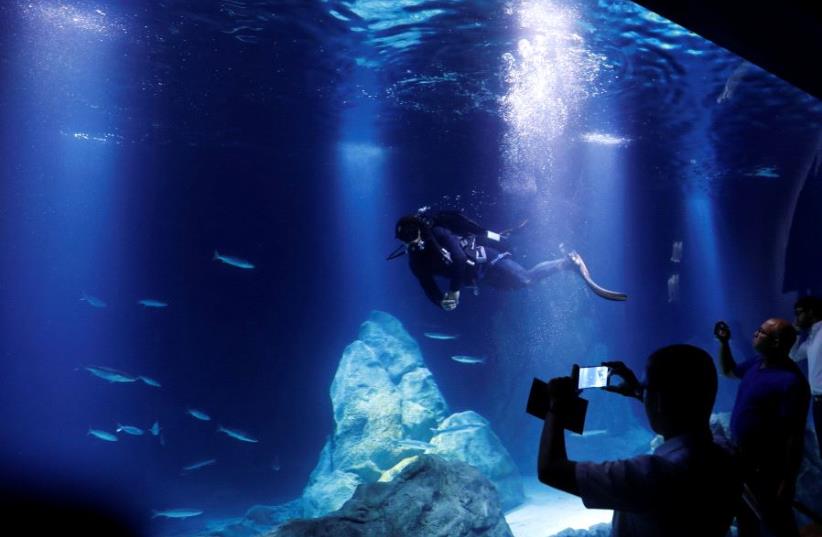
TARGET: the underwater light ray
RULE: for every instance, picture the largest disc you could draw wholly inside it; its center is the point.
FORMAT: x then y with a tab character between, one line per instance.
548	76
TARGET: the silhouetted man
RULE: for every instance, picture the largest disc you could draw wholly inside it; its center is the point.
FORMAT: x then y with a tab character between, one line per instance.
688	487
808	346
768	426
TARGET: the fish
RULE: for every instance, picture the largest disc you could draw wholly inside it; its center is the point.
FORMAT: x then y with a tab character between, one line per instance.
276	464
676	252
239	435
199	414
463	359
103	435
456	428
593	432
764	171
109	374
150	381
413	444
130	429
92	301
152	303
673	288
440	336
233	261
734	80
155	428
176	513
198	465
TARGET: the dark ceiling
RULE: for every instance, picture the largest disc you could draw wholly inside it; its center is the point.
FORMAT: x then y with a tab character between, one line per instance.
784	37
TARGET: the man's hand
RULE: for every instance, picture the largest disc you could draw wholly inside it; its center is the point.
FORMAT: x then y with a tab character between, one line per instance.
562	391
722	331
450	301
630	385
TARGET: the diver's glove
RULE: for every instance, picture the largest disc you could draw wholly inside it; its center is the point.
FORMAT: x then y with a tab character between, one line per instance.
446	256
450	301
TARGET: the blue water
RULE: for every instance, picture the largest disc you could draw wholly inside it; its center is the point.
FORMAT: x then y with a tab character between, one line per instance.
139	140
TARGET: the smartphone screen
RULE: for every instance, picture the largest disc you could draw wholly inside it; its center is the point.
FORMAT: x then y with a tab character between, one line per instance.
593	377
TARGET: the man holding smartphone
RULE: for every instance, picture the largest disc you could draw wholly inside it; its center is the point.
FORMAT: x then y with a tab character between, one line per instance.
688	487
768	425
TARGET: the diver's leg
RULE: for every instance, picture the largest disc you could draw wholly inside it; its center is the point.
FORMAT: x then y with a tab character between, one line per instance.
541	270
507	274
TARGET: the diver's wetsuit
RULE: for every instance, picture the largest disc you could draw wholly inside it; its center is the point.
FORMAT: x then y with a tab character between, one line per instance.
498	270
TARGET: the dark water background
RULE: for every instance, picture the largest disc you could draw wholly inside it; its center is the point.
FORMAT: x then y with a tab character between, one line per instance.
137	140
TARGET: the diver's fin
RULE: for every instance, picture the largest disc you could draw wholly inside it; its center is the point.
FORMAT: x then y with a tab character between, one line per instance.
576	259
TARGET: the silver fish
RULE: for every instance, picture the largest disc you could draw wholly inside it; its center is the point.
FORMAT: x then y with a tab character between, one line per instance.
440	336
109	374
92	301
177	513
456	428
413	444
239	435
103	435
199	414
593	432
150	381
151	303
463	359
233	261
155	428
129	429
198	465
764	171
734	80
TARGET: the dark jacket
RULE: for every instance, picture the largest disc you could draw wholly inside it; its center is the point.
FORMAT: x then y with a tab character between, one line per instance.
446	230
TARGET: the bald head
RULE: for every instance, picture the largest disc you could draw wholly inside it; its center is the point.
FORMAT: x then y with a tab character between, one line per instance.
774	337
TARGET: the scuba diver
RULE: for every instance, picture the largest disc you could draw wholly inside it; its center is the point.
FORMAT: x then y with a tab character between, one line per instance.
450	245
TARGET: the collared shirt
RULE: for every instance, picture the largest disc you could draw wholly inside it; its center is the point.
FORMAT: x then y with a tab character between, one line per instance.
810	349
690	486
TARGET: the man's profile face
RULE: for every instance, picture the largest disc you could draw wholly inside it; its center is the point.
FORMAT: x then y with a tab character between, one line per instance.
803	318
764	337
652	404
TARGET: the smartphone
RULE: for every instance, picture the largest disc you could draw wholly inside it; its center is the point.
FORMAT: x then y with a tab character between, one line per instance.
593	377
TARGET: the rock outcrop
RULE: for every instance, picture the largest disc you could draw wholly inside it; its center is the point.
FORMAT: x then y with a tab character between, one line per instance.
431	497
387	410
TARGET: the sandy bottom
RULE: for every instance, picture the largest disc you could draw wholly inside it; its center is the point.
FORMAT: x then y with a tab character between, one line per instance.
547	511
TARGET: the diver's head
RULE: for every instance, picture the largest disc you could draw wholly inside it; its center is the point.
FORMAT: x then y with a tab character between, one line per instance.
409	230
680	389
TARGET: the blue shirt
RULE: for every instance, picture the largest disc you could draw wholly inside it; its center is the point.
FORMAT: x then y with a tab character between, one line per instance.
771	405
689	487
